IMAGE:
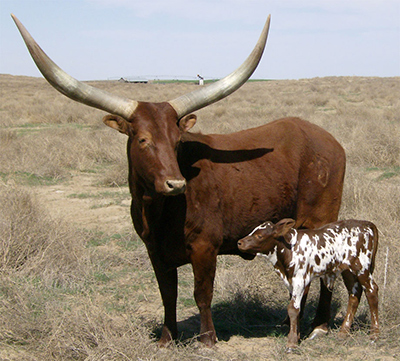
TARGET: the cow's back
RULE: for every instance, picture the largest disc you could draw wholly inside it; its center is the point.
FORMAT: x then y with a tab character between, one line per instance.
236	181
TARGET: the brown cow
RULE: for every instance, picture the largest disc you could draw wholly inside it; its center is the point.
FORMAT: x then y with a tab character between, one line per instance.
222	185
298	256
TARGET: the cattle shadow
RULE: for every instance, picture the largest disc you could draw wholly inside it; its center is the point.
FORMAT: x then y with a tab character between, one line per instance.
191	152
250	318
195	151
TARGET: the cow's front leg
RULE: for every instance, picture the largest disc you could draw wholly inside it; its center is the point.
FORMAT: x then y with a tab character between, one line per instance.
323	314
203	257
168	284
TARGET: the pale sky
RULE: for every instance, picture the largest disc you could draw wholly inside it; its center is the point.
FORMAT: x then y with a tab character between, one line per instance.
102	39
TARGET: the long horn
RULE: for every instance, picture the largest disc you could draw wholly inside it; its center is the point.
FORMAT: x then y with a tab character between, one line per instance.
71	87
202	97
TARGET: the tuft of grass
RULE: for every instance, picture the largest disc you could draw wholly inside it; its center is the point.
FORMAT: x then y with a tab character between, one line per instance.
389	173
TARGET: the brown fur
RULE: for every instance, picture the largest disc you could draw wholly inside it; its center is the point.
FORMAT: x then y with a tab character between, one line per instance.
287	168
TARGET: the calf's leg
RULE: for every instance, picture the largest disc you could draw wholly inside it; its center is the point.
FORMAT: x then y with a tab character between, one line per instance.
371	291
355	291
311	217
294	333
286	321
294	310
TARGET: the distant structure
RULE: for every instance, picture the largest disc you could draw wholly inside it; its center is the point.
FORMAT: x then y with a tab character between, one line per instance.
133	80
201	79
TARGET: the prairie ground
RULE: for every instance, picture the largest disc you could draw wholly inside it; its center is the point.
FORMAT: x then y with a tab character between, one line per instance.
75	279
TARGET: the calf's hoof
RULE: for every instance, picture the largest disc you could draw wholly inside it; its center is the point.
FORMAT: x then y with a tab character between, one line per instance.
292	349
318	332
343	334
374	336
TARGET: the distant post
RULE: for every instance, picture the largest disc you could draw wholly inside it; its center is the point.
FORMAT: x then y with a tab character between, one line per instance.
201	79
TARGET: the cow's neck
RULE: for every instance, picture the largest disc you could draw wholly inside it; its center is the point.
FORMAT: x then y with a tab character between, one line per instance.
147	208
152	209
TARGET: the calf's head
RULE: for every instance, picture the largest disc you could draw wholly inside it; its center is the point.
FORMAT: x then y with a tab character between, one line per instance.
264	237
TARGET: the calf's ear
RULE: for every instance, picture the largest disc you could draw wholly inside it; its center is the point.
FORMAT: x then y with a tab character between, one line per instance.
283	227
118	123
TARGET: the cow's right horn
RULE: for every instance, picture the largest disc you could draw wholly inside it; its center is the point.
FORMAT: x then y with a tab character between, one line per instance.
71	87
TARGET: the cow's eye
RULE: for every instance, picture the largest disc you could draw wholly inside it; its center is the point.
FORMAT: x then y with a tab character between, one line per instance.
142	141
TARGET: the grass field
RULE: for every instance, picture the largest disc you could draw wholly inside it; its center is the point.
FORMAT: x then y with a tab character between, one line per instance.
75	280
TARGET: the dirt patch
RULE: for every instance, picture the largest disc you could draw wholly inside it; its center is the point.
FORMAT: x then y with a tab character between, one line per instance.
89	206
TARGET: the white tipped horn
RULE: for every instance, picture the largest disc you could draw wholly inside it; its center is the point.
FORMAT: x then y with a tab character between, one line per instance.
202	97
71	87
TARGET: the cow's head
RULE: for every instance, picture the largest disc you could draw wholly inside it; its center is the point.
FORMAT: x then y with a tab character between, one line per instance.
263	238
154	129
154	134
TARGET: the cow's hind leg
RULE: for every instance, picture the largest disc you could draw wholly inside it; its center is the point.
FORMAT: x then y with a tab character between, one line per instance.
204	258
318	204
355	291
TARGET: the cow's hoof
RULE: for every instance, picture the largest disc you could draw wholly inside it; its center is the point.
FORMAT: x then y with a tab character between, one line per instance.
166	339
209	339
317	333
164	343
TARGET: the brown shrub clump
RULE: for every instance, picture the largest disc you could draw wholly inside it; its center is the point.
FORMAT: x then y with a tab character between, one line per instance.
33	244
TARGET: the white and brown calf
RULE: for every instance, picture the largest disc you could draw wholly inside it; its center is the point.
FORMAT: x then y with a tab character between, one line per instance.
298	256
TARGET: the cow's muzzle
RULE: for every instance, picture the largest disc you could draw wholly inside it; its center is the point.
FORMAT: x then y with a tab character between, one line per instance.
173	187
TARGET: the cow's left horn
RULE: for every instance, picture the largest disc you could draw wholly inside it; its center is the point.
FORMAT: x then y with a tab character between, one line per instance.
202	97
71	87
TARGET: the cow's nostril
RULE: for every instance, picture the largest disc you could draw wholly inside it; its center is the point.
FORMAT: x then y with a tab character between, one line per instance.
173	187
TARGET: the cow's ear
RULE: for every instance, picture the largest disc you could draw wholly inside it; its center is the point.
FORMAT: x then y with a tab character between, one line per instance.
283	227
187	122
118	123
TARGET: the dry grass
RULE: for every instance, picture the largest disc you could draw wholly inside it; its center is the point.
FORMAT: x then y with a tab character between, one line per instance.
70	291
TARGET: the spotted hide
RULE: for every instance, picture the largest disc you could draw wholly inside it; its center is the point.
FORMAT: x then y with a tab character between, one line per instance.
298	256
